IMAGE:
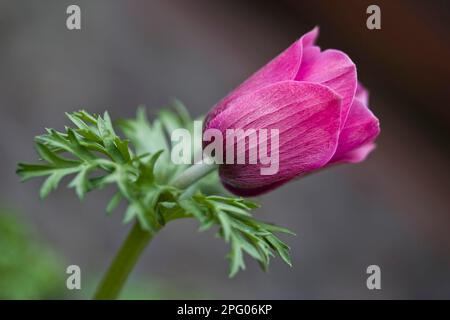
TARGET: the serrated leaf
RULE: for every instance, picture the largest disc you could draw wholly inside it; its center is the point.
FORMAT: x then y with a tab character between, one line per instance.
182	113
130	213
192	207
81	182
236	258
78	121
232	209
82	144
169	121
86	117
147	168
51	157
51	183
114	202
238	227
225	225
274	228
122	146
281	248
207	224
28	171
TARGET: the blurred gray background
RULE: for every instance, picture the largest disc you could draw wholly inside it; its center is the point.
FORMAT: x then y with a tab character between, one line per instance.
392	210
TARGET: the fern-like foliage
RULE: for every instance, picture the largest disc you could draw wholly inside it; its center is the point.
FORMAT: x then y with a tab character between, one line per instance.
139	166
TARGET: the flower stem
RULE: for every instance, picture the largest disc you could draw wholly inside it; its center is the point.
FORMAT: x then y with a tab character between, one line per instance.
138	239
123	263
193	174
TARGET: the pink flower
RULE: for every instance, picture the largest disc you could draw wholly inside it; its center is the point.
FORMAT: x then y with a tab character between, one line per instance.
315	101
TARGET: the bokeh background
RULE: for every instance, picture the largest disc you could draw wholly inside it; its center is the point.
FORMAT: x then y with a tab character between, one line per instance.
392	210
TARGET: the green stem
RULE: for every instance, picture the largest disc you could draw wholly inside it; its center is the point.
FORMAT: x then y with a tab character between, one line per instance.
138	239
123	263
192	175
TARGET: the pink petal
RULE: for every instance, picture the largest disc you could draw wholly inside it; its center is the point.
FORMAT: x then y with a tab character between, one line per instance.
307	116
283	67
362	94
309	38
334	69
357	155
357	136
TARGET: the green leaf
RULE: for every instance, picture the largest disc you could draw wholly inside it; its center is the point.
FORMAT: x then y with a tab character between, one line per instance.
130	213
51	157
281	248
51	183
122	146
80	152
236	257
237	226
114	202
81	182
225	225
147	169
28	171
